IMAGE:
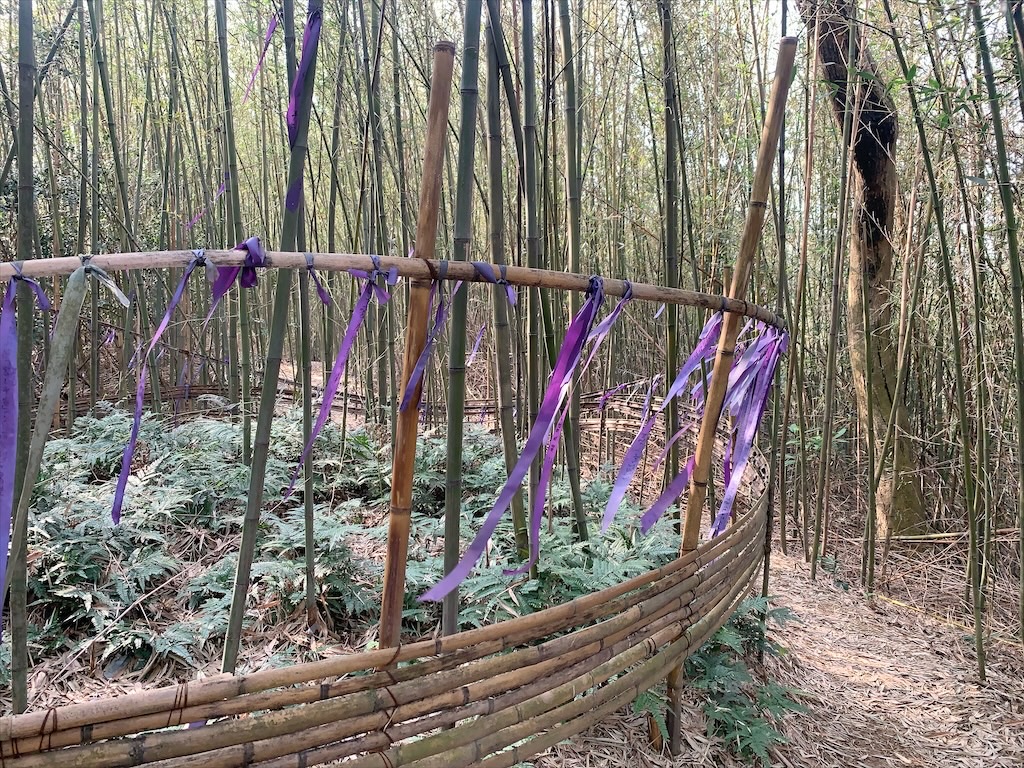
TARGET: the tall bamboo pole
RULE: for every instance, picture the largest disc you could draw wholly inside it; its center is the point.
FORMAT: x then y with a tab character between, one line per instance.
416	332
741	277
268	398
462	226
26	227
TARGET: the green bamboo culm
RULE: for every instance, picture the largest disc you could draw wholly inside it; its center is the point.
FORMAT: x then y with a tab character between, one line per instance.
954	315
272	369
240	376
572	425
502	335
25	236
1006	196
469	90
62	345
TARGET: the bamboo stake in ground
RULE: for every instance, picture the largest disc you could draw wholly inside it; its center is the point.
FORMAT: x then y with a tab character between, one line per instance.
416	332
740	278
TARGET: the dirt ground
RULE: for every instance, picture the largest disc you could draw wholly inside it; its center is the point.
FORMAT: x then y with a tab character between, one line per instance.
884	684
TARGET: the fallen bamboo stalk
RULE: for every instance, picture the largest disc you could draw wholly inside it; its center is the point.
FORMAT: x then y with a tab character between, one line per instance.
417	269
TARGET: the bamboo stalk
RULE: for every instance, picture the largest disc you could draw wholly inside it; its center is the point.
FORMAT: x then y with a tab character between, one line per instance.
740	279
411	268
416	331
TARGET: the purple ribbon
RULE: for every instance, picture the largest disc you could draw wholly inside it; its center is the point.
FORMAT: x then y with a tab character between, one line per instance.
370	289
661	310
704	350
226	276
554	397
608	394
440	318
259	64
310	39
220	191
486	271
476	345
140	391
8	426
600	333
9	410
321	289
537	509
748	410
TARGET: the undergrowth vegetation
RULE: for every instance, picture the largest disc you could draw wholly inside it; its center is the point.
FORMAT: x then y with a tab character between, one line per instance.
151	596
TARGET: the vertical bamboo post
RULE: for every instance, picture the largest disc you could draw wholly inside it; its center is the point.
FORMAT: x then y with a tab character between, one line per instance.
741	276
415	337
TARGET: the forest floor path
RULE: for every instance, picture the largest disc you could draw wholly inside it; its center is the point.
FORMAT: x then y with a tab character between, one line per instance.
885	686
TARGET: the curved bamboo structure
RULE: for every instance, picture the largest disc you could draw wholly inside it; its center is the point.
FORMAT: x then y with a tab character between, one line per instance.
491	696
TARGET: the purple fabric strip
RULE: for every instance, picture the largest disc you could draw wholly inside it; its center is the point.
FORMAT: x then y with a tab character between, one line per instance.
599	334
748	414
704	350
537	509
256	256
140	390
440	318
667	498
476	346
486	271
630	461
321	289
8	426
661	310
220	191
310	39
554	396
609	394
259	64
370	288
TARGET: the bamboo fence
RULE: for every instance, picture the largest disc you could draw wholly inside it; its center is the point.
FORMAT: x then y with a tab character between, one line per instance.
459	700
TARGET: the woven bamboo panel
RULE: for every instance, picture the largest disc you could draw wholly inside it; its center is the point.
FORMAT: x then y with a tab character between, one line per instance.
490	696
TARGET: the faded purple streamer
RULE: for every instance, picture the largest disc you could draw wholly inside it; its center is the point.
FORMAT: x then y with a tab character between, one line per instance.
667	498
748	414
631	460
440	318
140	390
599	334
220	191
537	508
310	39
661	310
486	271
321	289
8	426
609	394
256	256
259	64
476	345
370	288
554	396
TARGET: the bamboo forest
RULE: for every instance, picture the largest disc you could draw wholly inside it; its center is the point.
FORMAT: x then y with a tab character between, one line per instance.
509	383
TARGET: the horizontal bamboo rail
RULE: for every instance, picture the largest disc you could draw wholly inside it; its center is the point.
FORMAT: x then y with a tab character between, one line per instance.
421	269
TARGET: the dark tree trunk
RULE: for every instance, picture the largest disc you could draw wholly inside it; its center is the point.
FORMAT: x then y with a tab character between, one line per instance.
899	503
